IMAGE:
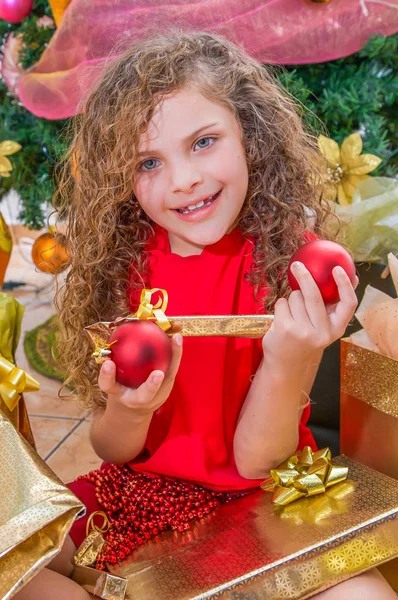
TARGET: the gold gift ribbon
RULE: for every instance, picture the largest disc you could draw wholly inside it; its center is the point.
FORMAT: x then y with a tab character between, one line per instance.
304	474
146	311
88	551
370	377
13	382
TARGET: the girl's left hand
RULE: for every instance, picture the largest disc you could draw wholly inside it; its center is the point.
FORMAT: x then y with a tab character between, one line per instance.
303	326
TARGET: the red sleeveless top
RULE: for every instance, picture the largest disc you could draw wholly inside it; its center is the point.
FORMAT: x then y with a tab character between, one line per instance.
191	436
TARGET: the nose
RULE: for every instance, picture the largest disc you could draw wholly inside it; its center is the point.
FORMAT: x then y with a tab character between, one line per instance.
184	177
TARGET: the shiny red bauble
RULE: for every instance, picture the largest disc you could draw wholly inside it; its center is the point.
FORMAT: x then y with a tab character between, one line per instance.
139	348
320	257
15	11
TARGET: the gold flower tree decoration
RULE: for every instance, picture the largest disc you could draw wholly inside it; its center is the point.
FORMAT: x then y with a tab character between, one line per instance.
346	166
6	149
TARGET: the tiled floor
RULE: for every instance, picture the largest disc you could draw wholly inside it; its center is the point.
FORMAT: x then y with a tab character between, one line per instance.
60	427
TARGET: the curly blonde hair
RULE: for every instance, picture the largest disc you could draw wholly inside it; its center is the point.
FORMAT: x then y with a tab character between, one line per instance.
107	230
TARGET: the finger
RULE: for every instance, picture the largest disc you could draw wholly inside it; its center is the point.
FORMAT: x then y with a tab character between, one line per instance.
344	309
148	390
313	300
107	379
297	307
176	346
282	313
356	282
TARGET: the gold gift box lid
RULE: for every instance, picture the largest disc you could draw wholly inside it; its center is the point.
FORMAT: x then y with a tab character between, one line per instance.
250	547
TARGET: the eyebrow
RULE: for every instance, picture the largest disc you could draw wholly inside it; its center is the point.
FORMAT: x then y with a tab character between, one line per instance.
189	137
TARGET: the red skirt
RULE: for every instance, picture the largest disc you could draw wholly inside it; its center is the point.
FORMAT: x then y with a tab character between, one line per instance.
138	507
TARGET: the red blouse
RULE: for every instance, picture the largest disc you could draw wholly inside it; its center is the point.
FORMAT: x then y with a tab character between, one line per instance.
191	436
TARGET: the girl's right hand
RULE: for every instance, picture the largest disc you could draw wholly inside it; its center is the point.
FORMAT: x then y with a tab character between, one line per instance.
154	392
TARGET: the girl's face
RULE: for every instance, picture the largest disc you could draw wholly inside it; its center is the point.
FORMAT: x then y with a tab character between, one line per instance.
192	174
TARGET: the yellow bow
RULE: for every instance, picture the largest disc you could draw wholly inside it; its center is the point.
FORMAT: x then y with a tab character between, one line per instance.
146	310
306	473
14	381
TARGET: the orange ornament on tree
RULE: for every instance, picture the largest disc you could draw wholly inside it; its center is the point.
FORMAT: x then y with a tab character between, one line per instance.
49	254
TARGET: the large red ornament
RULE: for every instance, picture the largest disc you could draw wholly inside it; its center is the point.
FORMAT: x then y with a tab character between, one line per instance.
139	348
320	257
15	11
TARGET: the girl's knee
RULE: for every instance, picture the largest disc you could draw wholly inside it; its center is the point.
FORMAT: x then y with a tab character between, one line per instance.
63	562
367	586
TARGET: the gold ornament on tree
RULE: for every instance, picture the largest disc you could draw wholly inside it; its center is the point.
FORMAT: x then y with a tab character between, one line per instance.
346	166
49	254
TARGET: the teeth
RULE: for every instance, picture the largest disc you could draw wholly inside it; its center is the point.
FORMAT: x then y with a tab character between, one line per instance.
195	206
186	211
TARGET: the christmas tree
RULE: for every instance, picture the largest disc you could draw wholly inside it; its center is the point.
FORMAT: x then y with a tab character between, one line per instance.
41	140
356	93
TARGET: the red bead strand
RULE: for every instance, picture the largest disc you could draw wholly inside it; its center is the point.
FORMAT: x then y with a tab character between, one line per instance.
139	507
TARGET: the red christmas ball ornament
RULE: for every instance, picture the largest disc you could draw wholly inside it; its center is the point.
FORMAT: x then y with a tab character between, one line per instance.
139	348
320	257
15	11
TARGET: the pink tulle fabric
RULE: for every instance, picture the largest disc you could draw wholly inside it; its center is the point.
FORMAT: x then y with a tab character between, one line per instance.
273	31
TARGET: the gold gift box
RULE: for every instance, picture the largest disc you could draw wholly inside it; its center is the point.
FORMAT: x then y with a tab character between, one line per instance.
251	549
250	326
369	408
369	415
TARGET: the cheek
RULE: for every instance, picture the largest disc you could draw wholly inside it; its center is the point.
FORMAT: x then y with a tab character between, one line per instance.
231	167
146	190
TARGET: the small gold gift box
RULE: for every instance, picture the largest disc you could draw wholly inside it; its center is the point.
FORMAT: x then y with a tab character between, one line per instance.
252	548
100	584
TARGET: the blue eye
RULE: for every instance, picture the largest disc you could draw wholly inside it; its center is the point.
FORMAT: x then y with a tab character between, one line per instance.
204	142
149	165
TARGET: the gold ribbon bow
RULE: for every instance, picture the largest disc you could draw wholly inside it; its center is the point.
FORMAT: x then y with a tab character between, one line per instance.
146	310
14	381
306	473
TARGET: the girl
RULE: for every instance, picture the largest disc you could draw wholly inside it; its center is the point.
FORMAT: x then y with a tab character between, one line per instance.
192	173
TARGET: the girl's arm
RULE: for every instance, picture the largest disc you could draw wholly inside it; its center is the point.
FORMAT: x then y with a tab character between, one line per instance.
119	431
267	429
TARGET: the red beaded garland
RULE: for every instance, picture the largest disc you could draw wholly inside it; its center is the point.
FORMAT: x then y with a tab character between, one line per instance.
139	507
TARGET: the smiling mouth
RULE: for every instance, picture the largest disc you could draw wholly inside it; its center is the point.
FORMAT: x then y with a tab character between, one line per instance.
199	205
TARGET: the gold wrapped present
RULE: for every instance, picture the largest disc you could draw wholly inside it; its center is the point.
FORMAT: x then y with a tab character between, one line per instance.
369	408
369	415
250	326
36	511
250	548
